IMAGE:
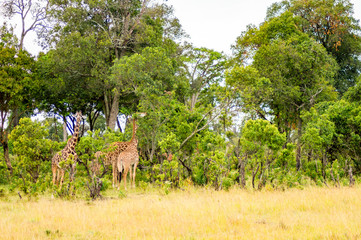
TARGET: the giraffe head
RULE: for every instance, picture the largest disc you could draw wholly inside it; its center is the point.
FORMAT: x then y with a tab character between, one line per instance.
136	116
78	116
74	138
135	126
139	115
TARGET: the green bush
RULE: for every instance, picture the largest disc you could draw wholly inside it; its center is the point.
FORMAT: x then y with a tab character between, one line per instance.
33	153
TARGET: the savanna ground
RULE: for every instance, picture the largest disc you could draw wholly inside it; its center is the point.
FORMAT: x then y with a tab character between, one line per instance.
193	213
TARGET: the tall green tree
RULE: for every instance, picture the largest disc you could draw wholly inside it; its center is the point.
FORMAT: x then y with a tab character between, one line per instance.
120	28
32	15
317	138
16	68
331	23
335	129
68	77
204	68
290	73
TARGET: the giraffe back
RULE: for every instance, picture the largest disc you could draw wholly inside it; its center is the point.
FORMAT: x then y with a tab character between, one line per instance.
130	155
116	149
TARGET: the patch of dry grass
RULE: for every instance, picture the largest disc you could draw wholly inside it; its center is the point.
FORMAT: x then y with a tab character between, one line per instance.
313	213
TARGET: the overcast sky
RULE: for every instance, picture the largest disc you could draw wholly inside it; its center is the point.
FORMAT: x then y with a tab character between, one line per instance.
213	24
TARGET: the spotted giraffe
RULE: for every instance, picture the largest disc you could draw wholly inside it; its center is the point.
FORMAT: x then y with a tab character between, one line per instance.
112	153
128	160
68	150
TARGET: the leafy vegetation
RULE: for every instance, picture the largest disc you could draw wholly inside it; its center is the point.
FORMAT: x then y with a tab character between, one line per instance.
282	111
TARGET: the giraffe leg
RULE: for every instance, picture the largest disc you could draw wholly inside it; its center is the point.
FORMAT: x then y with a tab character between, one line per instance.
119	170
57	177
130	174
54	170
114	173
62	172
134	172
126	169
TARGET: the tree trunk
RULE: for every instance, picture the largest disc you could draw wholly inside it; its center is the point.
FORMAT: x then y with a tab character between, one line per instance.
324	163
194	100
242	171
112	115
350	175
254	173
16	117
298	153
7	157
241	164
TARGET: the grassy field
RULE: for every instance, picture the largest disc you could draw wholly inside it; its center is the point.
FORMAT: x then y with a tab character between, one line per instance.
312	213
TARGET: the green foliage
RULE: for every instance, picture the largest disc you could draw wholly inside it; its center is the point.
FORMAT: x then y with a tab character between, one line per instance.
16	68
169	143
167	173
33	154
319	130
31	146
287	75
341	130
7	37
55	129
259	135
261	143
4	173
331	23
353	94
71	76
144	73
212	166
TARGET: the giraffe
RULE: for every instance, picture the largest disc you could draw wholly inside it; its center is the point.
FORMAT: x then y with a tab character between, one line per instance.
115	149
110	158
129	159
63	155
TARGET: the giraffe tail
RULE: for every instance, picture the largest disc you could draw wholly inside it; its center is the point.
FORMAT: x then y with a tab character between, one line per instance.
120	166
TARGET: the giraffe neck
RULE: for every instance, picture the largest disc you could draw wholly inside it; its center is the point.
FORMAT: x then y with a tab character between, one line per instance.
134	137
74	138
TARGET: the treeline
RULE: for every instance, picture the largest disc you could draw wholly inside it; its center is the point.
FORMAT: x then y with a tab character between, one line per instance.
282	111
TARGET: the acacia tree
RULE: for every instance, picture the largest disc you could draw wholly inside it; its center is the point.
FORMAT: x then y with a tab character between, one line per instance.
106	30
149	78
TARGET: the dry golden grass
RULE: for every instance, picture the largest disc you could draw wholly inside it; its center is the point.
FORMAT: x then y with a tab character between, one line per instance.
313	213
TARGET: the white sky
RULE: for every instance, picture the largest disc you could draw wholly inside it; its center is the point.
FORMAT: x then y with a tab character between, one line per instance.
213	24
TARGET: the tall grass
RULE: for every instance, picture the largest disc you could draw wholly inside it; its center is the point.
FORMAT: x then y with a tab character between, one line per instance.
313	213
